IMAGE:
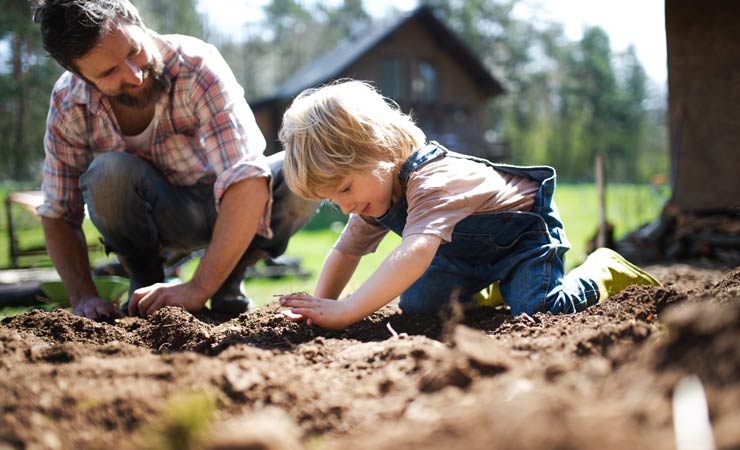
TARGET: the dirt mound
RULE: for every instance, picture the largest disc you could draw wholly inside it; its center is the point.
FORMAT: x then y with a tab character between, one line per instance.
173	329
728	288
62	326
602	378
704	339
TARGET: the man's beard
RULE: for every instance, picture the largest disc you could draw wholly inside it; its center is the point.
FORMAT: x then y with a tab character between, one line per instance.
149	95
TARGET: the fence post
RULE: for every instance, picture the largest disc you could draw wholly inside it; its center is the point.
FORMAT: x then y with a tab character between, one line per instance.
601	185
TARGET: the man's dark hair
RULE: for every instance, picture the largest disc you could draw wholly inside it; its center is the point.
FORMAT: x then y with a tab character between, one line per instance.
71	28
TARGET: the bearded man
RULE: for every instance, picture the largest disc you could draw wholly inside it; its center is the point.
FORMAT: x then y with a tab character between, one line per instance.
152	133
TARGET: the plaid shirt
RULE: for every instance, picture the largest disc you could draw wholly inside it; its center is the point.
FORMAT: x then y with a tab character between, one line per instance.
205	133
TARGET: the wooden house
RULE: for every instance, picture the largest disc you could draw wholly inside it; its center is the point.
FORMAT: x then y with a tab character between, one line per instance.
421	64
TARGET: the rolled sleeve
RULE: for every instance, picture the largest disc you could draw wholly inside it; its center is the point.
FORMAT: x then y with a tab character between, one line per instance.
231	140
66	158
242	171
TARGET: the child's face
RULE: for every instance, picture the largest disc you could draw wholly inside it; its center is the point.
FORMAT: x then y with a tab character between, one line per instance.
369	194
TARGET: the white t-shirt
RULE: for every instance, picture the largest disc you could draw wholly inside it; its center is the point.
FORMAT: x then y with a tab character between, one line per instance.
143	141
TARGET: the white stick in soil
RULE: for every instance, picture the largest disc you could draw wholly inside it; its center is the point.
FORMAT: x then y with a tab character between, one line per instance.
690	416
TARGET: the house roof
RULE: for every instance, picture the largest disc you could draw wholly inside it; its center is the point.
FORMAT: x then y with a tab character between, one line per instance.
331	65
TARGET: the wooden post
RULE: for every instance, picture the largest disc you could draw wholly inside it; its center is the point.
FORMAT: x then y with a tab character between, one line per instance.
28	200
601	185
12	243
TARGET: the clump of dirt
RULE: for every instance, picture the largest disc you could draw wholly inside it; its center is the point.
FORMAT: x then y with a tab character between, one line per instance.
174	329
727	289
62	326
482	379
703	332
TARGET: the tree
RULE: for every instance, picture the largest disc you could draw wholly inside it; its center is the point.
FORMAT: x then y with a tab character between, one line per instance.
523	60
292	44
290	35
564	100
632	114
25	83
172	16
347	19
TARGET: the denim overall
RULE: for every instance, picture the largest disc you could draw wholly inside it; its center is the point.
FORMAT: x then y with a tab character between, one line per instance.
522	249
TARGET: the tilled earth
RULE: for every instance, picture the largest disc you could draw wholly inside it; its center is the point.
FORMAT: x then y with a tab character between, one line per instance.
603	378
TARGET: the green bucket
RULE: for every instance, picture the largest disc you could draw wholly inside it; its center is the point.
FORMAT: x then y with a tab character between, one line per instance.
110	287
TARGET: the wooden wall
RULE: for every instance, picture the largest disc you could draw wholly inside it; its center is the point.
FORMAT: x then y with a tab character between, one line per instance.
703	38
458	112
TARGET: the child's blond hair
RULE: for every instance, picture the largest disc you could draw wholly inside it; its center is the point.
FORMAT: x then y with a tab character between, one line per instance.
343	127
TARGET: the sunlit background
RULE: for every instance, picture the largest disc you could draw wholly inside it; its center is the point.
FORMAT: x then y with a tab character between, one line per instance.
580	78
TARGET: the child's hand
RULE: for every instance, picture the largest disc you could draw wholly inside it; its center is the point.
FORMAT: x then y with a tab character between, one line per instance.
323	312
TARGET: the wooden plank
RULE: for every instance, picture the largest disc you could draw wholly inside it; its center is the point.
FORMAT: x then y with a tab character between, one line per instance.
28	200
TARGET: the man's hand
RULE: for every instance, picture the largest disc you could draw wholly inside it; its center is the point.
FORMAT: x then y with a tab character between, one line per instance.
323	312
96	308
147	300
67	249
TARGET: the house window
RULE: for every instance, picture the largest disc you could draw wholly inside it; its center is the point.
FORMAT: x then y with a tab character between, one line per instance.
393	79
424	82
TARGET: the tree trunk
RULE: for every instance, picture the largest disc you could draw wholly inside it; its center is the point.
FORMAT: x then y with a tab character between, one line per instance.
18	151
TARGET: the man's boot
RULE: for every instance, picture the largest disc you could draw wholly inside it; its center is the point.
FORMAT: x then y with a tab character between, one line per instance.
142	272
230	298
289	214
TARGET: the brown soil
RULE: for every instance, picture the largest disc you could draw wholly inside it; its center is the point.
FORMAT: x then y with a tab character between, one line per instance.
601	379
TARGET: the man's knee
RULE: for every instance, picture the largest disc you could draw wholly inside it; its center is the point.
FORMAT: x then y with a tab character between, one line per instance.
109	187
110	173
289	211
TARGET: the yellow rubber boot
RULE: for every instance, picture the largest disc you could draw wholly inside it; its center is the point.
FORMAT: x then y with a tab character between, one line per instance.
612	272
489	296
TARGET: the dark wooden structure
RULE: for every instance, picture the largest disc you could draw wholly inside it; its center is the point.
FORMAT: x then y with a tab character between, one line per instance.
702	218
704	103
28	200
418	62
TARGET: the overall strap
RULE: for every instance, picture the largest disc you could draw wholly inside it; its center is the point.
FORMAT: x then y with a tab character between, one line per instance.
418	158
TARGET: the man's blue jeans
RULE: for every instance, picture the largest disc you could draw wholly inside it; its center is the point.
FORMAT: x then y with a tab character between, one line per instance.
140	215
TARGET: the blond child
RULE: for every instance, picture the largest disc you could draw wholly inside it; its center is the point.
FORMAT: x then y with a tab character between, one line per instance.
465	222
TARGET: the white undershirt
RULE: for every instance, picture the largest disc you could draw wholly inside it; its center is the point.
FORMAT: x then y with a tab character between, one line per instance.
143	141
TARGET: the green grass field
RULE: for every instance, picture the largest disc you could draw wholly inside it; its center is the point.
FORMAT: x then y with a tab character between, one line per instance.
628	206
